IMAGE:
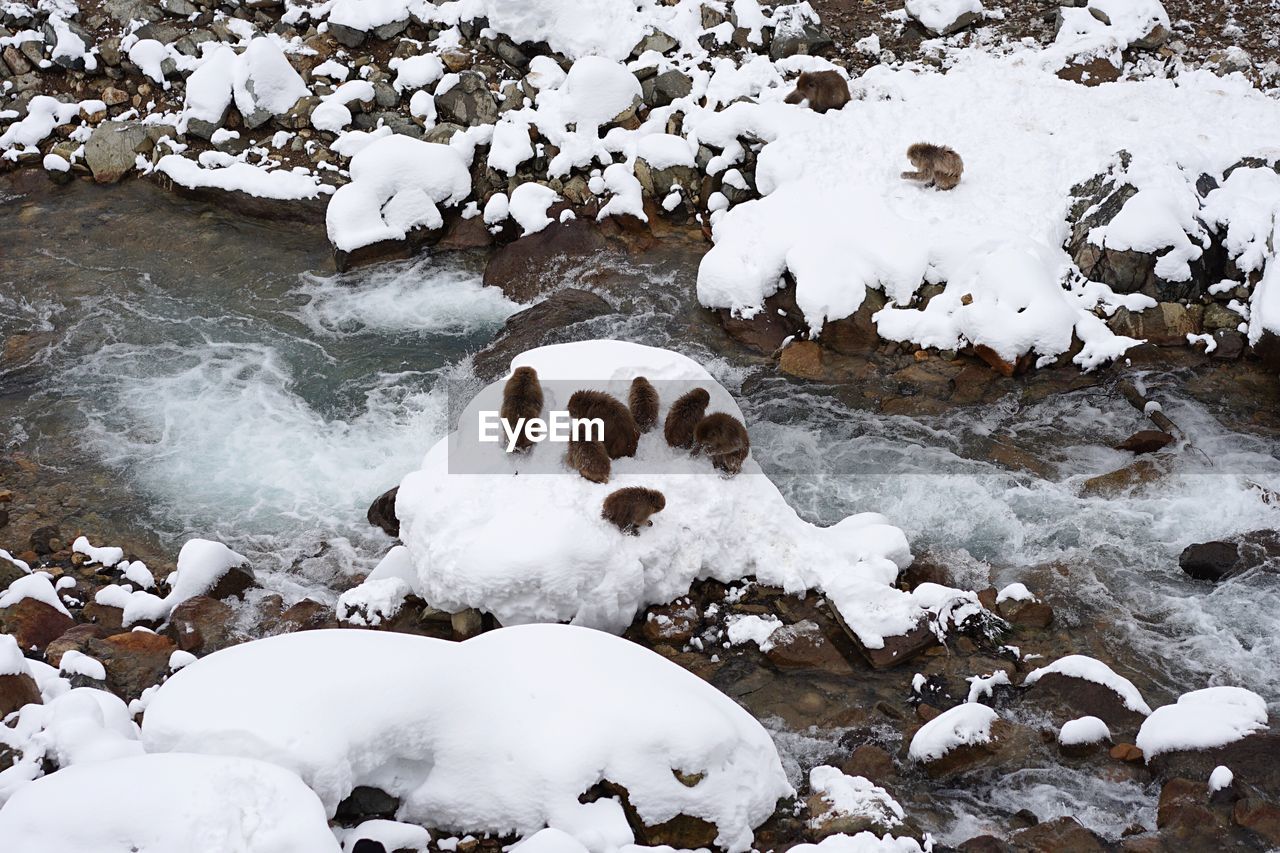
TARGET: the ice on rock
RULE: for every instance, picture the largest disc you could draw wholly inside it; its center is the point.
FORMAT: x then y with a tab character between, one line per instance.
1203	719
533	716
396	184
1092	669
573	566
188	803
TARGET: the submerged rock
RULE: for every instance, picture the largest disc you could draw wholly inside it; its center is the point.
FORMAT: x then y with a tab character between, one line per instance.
535	326
1220	560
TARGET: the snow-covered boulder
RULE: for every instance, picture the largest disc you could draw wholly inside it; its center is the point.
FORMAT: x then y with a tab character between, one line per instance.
396	184
1203	719
849	804
530	716
944	17
1080	686
520	535
188	803
968	724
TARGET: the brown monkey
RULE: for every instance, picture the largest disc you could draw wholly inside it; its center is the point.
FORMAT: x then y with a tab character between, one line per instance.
590	459
521	398
684	416
620	433
824	90
936	165
643	403
724	439
631	507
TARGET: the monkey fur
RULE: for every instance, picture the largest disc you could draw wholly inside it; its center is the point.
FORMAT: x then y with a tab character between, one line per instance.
643	403
684	416
620	433
824	90
629	509
590	459
936	165
521	398
724	439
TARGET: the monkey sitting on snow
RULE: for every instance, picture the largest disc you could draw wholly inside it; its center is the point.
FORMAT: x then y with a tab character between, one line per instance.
521	399
684	416
724	439
620	433
629	509
936	165
643	403
824	90
590	459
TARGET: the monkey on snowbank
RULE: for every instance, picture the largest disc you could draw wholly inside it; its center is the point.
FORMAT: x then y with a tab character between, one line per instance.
521	399
936	165
824	90
629	509
724	439
643	403
620	433
684	416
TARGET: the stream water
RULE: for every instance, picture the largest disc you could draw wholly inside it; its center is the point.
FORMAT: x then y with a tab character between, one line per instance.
170	370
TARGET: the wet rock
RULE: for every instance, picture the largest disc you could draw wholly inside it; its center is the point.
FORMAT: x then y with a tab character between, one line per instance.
1165	325
681	831
135	660
1125	752
17	690
1027	614
1260	817
34	624
967	757
767	329
530	266
113	148
469	102
1220	560
1140	473
1183	815
671	623
202	625
896	650
46	540
306	615
1252	761
871	762
984	844
1056	836
802	359
382	513
1065	697
365	802
1146	441
855	334
535	326
803	646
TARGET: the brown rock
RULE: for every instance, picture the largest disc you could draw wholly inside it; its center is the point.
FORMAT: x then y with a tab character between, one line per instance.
1065	697
1252	761
1146	441
1094	72
803	646
1165	325
984	844
802	359
855	334
237	581
871	762
16	691
1058	836
202	625
896	650
113	97
536	326
34	624
1260	816
382	513
134	661
1126	752
76	639
1027	614
532	265
467	623
670	623
1139	473
306	615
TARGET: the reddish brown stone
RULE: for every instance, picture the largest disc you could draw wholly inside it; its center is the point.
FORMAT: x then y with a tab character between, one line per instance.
1146	441
34	624
202	625
134	661
17	690
1058	836
803	646
1259	816
1126	752
802	359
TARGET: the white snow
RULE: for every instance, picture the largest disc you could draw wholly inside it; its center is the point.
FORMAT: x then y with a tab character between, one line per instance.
863	842
528	206
1091	669
575	28
855	796
1083	730
78	663
392	835
9	558
966	724
188	803
36	586
263	79
12	661
1202	719
396	184
415	72
1015	592
981	686
225	173
572	566
201	564
532	716
105	556
43	115
382	593
750	628
1220	778
937	16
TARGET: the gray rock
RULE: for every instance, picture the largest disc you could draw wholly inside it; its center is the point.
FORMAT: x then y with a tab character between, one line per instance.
18	64
112	150
670	85
442	132
391	30
109	51
656	41
385	95
179	8
124	11
469	103
33	51
510	54
657	183
1218	316
797	32
543	323
346	35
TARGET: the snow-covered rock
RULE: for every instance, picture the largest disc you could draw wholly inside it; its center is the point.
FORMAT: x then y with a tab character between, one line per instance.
1203	719
944	17
462	511
964	725
1082	731
1092	669
532	716
188	803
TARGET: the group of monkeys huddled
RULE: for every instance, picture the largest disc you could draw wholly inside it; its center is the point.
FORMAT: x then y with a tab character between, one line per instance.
935	165
718	435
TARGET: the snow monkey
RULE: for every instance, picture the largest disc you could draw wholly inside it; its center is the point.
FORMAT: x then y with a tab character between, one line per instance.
629	509
684	416
521	398
824	90
620	433
935	164
590	459
724	439
643	403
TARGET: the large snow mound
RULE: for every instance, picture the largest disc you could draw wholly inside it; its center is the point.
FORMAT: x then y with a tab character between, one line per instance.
839	224
161	803
1203	719
501	733
525	540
